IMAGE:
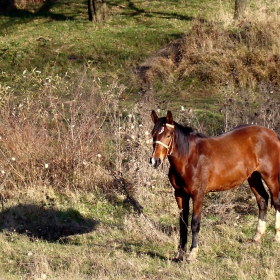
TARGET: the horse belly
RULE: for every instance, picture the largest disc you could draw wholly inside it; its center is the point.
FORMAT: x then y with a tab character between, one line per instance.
230	176
223	186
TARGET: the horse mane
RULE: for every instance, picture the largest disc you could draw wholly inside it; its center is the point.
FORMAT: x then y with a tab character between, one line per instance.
182	135
186	130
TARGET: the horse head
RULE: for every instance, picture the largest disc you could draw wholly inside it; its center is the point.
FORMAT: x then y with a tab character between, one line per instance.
163	134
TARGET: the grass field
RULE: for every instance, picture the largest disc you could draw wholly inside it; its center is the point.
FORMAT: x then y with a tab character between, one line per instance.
79	199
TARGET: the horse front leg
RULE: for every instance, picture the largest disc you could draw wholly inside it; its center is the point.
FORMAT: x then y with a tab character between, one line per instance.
195	226
183	205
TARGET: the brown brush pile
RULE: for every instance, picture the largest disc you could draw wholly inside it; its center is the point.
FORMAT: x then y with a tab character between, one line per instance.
245	56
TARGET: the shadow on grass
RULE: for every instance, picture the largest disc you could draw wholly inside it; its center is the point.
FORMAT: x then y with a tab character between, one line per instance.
24	16
44	11
136	11
131	10
137	248
40	222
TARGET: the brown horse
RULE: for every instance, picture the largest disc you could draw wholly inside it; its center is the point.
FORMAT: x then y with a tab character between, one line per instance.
201	164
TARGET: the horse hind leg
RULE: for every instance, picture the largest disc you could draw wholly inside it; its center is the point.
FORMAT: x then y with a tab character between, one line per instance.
273	183
195	226
277	226
276	202
257	187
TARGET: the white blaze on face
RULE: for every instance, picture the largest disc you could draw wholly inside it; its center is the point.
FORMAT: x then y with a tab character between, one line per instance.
161	130
153	161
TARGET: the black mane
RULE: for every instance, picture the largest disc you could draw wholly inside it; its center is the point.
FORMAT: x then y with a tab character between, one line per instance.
182	137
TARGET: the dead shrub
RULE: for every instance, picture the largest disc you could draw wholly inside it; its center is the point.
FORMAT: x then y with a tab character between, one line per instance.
58	143
84	143
243	55
250	107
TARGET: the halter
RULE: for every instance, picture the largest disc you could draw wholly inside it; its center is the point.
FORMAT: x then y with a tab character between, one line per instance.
170	143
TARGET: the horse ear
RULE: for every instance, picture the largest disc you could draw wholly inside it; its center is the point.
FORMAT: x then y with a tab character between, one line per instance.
154	116
169	117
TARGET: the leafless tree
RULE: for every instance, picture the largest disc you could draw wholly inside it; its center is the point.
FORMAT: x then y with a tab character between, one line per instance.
7	6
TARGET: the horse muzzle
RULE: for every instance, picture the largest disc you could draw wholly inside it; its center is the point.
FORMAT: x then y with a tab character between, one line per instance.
155	162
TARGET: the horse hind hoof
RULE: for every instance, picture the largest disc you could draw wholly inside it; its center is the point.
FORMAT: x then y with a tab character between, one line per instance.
277	237
257	238
191	259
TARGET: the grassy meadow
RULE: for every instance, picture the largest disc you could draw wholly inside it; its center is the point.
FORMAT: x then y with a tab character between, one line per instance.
78	197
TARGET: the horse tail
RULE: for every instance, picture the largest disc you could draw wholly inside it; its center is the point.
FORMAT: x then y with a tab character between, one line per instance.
272	204
279	176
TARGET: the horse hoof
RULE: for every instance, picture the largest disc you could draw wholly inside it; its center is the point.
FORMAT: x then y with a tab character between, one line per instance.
277	237
177	260
179	257
193	255
257	238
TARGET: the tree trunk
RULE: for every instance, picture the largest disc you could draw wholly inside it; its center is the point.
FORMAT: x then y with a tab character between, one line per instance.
97	10
240	7
7	6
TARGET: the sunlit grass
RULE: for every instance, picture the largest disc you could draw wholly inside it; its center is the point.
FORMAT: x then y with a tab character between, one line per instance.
61	32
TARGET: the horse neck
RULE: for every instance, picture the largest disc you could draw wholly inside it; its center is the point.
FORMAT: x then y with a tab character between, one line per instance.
181	150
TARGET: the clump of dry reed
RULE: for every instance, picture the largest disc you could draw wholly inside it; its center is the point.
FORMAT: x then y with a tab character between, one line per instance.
221	52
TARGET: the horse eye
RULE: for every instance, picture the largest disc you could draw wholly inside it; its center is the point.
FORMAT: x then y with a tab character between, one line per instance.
168	136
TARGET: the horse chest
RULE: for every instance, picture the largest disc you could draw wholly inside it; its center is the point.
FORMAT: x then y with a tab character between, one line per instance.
188	178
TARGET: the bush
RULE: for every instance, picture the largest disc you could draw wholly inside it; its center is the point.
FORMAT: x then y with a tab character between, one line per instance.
79	140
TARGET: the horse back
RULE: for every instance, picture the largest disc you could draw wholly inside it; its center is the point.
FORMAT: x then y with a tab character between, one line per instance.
228	160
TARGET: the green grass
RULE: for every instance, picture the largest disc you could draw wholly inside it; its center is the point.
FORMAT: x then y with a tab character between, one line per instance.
112	50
